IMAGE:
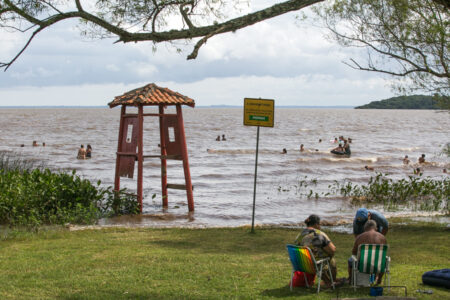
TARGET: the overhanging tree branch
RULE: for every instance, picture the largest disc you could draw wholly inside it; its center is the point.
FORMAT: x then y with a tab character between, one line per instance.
126	36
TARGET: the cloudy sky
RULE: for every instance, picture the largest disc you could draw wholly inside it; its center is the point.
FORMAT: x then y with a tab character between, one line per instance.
278	59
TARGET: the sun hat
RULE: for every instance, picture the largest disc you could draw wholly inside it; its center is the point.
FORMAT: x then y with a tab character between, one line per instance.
361	215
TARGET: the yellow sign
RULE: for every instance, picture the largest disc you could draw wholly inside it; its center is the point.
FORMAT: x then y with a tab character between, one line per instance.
258	112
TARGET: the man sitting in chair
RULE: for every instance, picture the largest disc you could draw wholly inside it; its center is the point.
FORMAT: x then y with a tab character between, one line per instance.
319	243
369	236
364	214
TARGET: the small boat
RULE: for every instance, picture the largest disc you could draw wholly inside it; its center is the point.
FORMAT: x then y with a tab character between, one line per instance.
347	152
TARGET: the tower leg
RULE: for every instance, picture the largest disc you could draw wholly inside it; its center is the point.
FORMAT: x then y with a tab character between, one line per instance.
165	201
140	155
119	149
184	153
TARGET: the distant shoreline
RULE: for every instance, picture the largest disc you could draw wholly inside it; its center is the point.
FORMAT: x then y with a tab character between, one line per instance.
199	106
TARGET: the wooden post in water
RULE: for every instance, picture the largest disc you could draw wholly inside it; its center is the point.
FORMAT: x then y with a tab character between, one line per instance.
184	154
140	155
165	201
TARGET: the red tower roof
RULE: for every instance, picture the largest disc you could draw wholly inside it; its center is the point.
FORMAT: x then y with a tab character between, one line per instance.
151	94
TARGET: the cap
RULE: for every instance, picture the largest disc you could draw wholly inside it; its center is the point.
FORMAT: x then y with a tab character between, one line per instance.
361	215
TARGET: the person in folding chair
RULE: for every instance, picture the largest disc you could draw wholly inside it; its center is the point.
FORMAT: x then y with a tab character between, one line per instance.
320	244
369	236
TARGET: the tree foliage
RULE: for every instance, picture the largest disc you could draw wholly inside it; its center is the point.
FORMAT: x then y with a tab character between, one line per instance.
403	102
407	39
140	20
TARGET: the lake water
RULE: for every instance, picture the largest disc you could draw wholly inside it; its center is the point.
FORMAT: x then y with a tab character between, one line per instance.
223	175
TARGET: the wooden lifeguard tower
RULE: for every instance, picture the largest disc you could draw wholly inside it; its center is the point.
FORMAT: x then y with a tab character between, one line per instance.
172	138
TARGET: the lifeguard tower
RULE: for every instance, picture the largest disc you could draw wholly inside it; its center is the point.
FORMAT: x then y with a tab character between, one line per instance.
172	138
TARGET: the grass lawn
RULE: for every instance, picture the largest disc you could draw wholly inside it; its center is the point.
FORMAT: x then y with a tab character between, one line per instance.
224	263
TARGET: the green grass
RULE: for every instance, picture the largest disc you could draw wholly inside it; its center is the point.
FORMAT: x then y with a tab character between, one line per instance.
224	263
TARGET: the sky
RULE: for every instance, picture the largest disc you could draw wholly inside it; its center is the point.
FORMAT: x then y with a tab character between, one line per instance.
281	59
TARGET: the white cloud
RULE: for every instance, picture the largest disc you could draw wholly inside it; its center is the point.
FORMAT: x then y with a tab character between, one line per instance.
319	89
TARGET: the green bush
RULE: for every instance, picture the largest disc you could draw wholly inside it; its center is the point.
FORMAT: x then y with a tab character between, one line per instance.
35	197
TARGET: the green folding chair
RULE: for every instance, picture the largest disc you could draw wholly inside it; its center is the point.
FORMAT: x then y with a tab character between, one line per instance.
371	259
302	259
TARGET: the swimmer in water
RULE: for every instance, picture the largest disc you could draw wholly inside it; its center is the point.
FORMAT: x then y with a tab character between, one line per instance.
336	140
417	171
81	153
444	171
406	160
422	159
302	148
320	140
368	168
35	144
223	137
284	151
218	138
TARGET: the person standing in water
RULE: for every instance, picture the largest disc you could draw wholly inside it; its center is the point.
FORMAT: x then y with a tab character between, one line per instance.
89	151
81	153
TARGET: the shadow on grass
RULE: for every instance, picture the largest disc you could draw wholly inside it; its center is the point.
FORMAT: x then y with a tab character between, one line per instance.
229	241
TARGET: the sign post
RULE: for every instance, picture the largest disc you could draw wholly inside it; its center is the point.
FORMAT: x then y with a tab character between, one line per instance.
258	112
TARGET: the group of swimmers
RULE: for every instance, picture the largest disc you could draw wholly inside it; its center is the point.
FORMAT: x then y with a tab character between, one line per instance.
84	153
34	144
223	138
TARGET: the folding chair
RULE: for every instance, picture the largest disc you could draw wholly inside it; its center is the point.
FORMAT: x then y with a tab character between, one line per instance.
371	259
302	259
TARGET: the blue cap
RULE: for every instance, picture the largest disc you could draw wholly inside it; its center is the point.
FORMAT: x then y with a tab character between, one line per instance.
361	215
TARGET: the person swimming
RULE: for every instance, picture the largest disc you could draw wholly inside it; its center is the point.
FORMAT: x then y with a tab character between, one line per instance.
302	148
223	137
422	159
284	151
218	138
406	160
368	168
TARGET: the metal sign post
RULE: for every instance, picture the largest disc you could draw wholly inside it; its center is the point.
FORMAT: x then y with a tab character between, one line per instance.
257	112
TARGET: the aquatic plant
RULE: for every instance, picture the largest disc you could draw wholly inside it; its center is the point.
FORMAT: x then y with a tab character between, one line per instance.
413	192
14	161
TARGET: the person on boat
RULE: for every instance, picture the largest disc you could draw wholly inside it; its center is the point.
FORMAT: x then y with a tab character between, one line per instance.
89	151
320	244
339	148
302	148
347	148
363	215
369	236
406	160
422	159
81	153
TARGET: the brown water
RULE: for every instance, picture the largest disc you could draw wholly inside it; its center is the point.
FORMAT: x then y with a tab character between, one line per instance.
223	175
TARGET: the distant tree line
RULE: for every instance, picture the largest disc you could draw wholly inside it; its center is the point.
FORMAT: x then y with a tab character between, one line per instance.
404	102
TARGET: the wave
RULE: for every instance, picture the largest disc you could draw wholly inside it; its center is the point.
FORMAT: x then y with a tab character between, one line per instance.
340	159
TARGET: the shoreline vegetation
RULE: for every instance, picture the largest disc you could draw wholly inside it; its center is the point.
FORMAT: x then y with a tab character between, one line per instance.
211	263
32	195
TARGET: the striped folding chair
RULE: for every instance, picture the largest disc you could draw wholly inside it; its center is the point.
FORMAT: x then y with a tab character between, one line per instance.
302	259
371	259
